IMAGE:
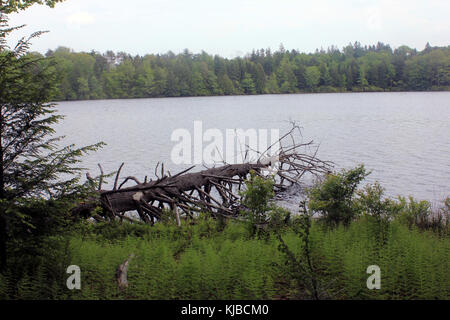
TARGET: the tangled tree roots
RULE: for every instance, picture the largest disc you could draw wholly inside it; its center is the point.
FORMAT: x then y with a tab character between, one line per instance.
214	190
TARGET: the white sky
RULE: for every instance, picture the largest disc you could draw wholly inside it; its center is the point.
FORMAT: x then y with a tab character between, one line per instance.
234	27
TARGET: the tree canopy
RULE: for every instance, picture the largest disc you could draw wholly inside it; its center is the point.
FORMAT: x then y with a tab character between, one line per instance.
9	6
93	75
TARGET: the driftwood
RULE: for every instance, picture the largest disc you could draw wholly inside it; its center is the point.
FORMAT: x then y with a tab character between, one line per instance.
122	273
214	190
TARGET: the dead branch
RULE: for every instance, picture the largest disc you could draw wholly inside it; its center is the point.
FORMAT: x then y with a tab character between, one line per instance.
215	190
122	273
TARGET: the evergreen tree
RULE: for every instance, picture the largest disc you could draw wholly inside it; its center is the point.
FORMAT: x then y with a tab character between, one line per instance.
198	87
272	84
248	85
286	77
31	162
312	77
226	85
260	78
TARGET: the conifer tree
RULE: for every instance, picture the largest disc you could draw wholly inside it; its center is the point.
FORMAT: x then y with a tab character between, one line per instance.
32	162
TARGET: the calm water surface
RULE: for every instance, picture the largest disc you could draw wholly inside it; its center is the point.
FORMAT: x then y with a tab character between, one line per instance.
404	138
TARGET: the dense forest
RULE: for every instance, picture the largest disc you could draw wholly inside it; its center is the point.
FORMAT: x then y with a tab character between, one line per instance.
355	68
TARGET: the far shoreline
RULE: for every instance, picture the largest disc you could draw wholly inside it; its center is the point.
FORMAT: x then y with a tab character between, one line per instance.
254	95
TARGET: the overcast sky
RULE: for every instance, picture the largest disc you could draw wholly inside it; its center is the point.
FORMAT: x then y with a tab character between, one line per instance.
234	27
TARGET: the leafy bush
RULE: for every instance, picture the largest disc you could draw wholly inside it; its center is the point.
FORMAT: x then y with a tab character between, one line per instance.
333	198
421	215
414	212
257	199
370	202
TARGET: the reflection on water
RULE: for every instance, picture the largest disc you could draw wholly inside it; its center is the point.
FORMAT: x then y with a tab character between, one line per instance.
402	137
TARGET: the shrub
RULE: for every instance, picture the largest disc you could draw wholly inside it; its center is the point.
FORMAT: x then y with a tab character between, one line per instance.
256	198
414	212
370	202
333	198
420	214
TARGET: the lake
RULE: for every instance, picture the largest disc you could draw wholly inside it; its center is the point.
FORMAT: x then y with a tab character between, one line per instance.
403	138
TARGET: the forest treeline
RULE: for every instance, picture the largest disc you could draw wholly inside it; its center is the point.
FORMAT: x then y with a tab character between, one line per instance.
354	68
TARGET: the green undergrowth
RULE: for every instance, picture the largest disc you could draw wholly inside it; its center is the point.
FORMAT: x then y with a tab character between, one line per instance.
202	261
269	253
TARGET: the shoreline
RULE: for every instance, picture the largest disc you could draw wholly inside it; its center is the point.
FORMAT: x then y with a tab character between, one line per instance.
254	95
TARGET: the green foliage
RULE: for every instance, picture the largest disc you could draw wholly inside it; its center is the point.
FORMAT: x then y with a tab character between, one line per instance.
420	214
301	268
272	84
312	77
279	219
10	6
171	263
371	202
200	262
414	212
286	77
31	161
257	199
376	209
337	200
375	68
333	198
257	195
38	274
248	85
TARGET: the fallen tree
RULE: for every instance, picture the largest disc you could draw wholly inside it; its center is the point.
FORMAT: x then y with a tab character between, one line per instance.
215	190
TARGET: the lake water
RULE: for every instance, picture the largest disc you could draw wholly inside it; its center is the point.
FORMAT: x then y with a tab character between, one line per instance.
404	138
